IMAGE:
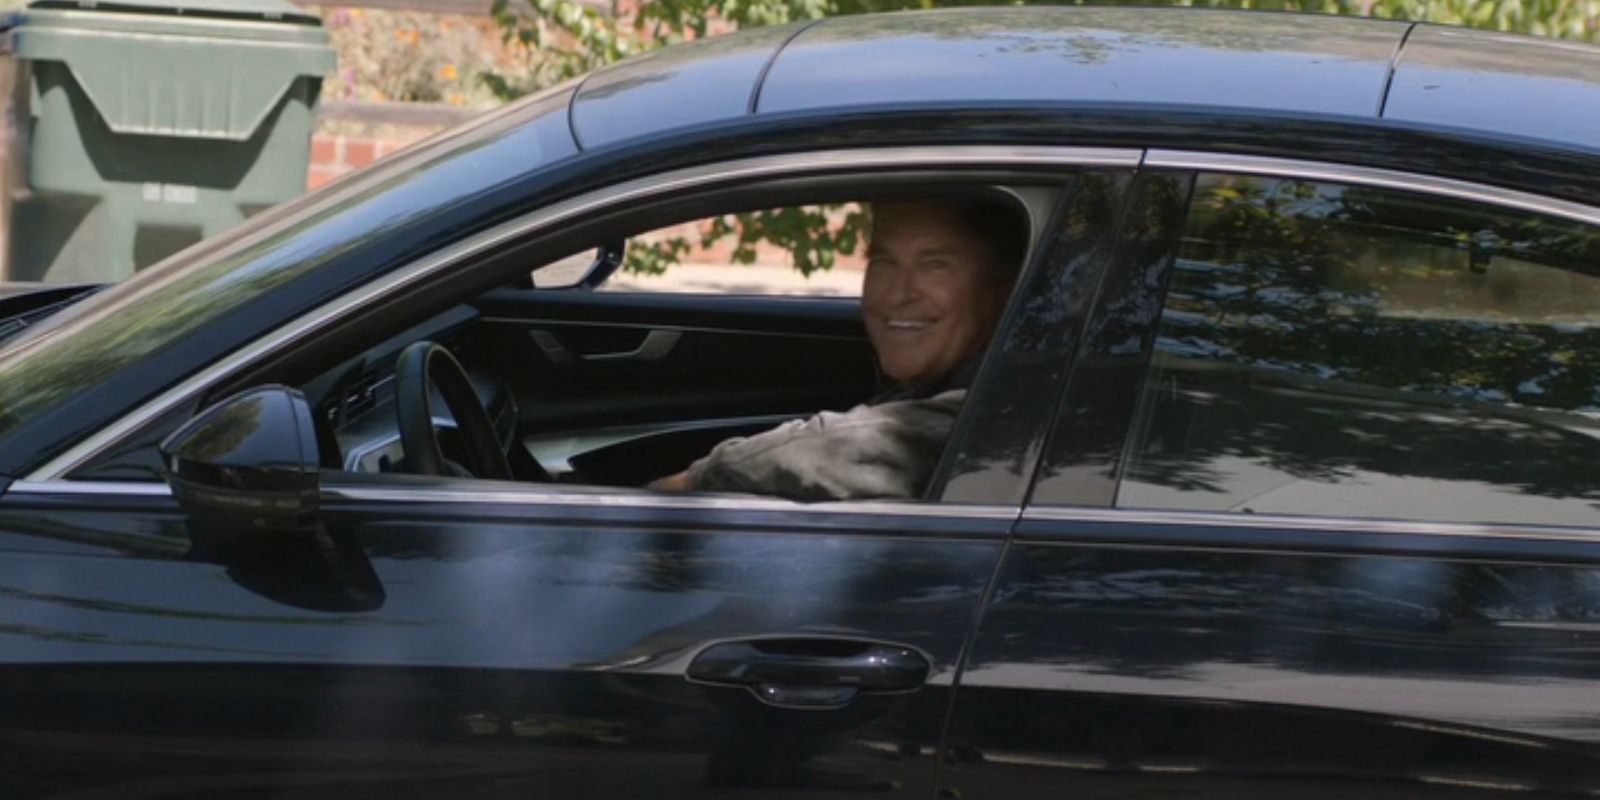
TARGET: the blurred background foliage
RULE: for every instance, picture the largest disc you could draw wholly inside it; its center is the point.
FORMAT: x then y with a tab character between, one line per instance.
410	56
576	37
810	238
579	36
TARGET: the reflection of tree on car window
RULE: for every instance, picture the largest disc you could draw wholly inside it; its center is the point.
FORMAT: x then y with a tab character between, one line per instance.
1356	351
937	278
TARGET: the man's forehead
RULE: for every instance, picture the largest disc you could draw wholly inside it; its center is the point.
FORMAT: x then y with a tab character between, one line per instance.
917	249
924	225
899	212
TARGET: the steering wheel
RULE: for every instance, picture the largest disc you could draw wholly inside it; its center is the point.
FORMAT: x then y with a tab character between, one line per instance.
422	368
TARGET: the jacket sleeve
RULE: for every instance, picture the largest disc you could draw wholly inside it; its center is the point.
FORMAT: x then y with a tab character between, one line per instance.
887	450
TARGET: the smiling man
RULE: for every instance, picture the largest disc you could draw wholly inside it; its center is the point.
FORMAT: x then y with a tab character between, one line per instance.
938	275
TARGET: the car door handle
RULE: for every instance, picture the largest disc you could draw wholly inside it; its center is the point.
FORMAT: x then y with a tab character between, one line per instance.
811	673
656	345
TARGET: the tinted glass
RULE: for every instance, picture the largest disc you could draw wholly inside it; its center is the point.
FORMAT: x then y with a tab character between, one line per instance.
1002	435
1349	351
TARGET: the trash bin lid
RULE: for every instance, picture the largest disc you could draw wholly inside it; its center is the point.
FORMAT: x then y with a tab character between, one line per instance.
204	69
269	10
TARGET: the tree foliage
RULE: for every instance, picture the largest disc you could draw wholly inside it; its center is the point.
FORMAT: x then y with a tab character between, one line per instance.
576	37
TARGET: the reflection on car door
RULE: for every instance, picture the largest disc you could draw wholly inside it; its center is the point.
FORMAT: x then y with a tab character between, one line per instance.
1135	658
1140	652
502	640
520	645
581	621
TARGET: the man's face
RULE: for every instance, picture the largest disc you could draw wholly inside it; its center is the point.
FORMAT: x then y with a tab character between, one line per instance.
929	298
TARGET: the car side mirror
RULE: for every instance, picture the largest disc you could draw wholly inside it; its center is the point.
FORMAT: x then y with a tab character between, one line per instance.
246	472
246	469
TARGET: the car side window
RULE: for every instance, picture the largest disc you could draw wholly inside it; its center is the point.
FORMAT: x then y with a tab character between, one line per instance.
634	385
778	363
1351	351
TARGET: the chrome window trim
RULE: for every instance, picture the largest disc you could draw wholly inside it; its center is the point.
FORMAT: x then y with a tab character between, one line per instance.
795	164
1125	517
509	495
1373	176
1113	516
97	488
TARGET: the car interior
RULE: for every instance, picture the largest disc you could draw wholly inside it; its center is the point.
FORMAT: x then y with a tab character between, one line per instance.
611	389
587	387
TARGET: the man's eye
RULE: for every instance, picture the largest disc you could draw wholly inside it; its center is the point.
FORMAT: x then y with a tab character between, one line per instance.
936	265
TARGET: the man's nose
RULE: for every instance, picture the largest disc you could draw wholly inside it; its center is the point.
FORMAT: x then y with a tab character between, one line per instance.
902	286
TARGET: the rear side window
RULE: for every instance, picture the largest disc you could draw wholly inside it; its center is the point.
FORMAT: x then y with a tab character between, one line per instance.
1352	351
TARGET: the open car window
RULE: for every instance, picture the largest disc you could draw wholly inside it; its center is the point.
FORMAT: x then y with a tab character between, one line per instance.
635	381
703	346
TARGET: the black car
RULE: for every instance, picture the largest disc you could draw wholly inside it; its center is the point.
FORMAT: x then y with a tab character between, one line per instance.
1282	476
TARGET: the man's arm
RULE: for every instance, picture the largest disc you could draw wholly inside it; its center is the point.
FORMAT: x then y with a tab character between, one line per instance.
883	451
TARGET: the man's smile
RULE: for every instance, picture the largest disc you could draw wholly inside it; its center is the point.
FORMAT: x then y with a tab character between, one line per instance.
907	324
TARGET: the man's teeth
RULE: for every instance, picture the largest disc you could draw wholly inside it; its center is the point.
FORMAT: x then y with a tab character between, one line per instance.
907	325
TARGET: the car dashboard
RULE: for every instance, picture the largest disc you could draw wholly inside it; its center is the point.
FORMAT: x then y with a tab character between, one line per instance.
354	403
354	406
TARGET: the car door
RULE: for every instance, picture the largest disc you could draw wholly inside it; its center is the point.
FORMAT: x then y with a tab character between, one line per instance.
448	637
1319	514
493	642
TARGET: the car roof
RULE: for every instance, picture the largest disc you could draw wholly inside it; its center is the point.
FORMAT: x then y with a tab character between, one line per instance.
1268	63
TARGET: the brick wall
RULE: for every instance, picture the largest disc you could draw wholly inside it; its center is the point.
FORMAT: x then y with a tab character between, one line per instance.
333	154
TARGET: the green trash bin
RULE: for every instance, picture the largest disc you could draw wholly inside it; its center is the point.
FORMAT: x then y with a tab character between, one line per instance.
137	128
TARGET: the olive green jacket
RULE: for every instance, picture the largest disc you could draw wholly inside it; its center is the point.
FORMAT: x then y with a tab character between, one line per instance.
883	450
